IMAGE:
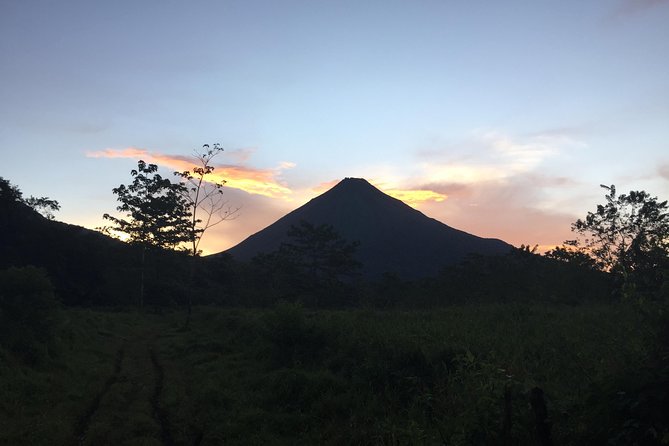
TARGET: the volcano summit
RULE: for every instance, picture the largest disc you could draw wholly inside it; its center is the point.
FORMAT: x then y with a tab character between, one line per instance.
393	236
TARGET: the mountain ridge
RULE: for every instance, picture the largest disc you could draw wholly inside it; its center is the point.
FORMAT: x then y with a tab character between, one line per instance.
393	236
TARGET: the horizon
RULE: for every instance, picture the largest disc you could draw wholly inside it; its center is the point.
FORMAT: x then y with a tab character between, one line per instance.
501	121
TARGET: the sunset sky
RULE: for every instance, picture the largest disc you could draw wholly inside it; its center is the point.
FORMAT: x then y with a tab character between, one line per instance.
500	118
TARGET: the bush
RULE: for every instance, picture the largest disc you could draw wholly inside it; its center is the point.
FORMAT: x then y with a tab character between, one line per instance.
29	312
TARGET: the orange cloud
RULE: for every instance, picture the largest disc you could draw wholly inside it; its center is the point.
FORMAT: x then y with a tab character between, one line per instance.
248	179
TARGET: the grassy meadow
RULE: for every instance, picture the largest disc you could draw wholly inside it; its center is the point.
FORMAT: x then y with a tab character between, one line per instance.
457	375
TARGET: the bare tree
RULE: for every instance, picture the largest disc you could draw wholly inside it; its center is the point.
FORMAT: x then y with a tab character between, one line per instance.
205	197
208	206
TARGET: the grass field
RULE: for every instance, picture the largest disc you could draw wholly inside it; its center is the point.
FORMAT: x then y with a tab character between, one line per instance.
287	375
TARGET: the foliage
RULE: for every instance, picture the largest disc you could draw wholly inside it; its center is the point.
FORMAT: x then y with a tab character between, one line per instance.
572	256
44	206
288	375
10	194
43	404
29	312
519	276
629	237
204	195
316	266
319	252
156	212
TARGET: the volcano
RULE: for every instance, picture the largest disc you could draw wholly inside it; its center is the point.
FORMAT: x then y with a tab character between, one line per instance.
393	236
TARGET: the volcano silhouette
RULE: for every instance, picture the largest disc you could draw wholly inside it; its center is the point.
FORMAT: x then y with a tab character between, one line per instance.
393	236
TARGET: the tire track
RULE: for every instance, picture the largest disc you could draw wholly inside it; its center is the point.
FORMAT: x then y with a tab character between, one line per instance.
85	420
159	413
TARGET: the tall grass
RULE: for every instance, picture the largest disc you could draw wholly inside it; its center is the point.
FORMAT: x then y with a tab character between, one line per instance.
287	375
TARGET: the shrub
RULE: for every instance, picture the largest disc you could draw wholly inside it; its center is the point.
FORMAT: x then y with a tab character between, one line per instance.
29	312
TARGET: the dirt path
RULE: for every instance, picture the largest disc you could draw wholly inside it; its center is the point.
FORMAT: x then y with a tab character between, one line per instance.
158	413
84	422
128	409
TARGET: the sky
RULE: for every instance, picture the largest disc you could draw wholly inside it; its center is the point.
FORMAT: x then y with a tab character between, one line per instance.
498	118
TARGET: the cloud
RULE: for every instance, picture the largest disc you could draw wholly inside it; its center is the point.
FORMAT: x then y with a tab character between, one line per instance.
663	170
633	7
257	212
415	197
240	156
491	184
251	180
491	156
502	186
511	210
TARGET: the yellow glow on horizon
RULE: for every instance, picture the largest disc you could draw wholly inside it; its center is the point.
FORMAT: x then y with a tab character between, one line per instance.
415	197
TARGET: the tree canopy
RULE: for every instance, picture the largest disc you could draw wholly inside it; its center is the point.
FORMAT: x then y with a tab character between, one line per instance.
10	194
156	212
629	237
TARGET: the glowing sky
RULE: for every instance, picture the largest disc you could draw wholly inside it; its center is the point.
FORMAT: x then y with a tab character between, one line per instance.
498	118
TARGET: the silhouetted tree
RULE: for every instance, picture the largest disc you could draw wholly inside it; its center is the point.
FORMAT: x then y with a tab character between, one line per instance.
10	194
315	262
320	253
44	206
203	195
156	213
628	236
573	256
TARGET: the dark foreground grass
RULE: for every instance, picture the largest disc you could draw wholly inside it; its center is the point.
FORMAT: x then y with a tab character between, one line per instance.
287	375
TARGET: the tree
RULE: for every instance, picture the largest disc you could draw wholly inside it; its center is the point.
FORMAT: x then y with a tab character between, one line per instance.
204	195
320	253
10	194
44	206
629	237
315	262
156	213
572	256
204	198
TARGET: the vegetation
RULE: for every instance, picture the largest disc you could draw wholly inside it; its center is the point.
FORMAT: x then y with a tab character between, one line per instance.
316	266
287	375
29	313
628	236
10	194
204	195
295	348
156	214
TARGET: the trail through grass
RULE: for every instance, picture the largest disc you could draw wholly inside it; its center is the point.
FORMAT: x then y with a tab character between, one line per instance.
286	375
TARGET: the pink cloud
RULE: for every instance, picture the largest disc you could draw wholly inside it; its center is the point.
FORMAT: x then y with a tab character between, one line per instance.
663	170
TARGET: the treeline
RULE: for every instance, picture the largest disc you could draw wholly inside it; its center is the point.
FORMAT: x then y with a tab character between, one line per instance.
317	268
